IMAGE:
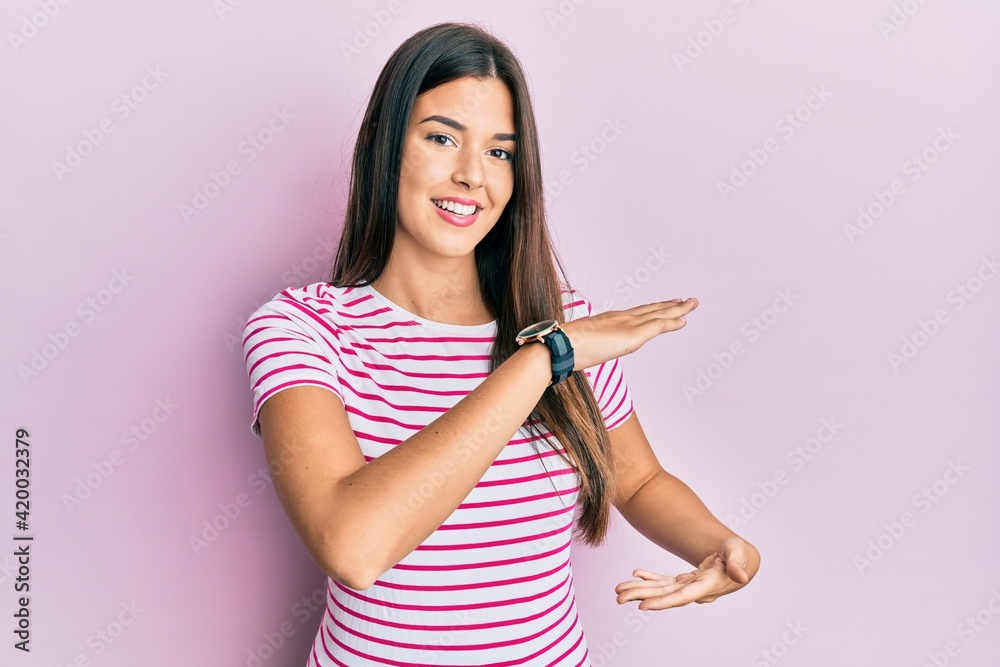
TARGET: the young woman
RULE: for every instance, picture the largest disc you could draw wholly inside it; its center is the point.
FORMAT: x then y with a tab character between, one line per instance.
440	414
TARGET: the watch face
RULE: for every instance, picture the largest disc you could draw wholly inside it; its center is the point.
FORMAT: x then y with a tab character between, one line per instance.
536	329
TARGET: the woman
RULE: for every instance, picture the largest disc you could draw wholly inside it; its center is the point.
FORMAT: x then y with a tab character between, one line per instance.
430	447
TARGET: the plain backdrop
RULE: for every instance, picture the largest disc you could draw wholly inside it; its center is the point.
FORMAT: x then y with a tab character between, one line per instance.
822	176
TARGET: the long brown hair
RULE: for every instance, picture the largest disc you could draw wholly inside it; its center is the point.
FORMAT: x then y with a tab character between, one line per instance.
515	261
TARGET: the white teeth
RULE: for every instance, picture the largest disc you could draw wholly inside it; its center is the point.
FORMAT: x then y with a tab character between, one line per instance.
456	208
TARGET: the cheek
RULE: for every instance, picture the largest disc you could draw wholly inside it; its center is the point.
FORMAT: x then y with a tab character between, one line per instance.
422	166
502	188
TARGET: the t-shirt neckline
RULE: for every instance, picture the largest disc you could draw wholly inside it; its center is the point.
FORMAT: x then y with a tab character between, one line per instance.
488	328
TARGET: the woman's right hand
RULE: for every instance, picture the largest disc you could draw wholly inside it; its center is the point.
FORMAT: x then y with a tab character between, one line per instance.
613	334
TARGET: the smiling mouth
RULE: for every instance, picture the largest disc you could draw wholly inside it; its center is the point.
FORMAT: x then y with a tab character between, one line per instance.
459	210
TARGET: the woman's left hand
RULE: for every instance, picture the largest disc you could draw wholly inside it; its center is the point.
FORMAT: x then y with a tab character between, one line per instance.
720	573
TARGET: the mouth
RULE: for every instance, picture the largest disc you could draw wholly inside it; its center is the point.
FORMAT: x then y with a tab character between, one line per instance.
456	214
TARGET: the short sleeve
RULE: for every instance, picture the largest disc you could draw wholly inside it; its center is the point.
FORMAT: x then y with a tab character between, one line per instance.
280	353
608	379
612	393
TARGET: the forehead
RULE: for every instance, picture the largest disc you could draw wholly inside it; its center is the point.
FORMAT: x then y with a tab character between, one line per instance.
470	101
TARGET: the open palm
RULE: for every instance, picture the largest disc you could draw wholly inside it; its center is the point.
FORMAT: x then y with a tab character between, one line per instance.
718	574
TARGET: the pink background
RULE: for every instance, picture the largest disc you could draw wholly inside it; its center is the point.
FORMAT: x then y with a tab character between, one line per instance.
661	136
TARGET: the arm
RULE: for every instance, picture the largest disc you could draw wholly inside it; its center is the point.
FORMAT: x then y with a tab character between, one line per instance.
354	518
668	512
660	506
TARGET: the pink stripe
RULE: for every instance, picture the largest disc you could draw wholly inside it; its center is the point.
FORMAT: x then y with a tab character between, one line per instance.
526	478
320	322
292	367
414	374
565	565
494	543
511	443
283	353
434	339
613	391
613	411
326	648
476	626
459	587
599	382
523	459
291	383
326	306
558	661
506	522
411	388
250	351
453	647
341	336
475	566
514	501
624	417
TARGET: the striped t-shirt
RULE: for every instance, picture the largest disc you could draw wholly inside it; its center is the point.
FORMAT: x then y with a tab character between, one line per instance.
493	584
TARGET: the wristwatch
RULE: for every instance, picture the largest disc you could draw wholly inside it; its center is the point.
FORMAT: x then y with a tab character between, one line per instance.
548	332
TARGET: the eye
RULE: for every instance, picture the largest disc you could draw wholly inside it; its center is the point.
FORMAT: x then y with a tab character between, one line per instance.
510	156
432	137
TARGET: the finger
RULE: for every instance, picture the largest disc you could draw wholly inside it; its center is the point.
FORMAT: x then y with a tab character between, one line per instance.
627	585
709	582
678	598
677	306
737	573
735	560
653	305
655	325
631	585
647	576
649	593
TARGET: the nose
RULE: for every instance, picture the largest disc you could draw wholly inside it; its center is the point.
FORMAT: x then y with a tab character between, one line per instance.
469	168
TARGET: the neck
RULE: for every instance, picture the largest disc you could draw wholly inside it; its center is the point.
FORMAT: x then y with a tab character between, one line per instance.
450	297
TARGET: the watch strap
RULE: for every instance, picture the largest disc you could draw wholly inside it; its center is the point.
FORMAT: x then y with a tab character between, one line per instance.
562	355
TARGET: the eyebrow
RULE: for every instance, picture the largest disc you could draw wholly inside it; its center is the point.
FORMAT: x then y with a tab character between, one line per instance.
499	136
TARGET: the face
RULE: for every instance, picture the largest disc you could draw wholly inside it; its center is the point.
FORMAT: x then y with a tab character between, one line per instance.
459	145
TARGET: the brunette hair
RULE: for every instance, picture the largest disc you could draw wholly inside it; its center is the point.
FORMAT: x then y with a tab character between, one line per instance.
515	261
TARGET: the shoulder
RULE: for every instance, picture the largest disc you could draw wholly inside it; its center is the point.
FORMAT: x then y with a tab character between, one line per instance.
575	304
317	305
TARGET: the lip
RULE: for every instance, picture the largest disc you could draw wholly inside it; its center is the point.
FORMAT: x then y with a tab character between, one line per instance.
451	218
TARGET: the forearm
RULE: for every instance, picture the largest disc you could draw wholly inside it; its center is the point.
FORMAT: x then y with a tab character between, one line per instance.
667	512
385	504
